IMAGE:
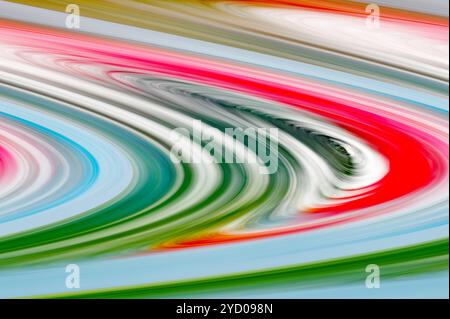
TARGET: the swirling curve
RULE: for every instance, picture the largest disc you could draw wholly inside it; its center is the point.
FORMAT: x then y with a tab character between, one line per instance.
86	133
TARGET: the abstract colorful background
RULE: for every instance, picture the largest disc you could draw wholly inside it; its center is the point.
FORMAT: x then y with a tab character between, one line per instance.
363	164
